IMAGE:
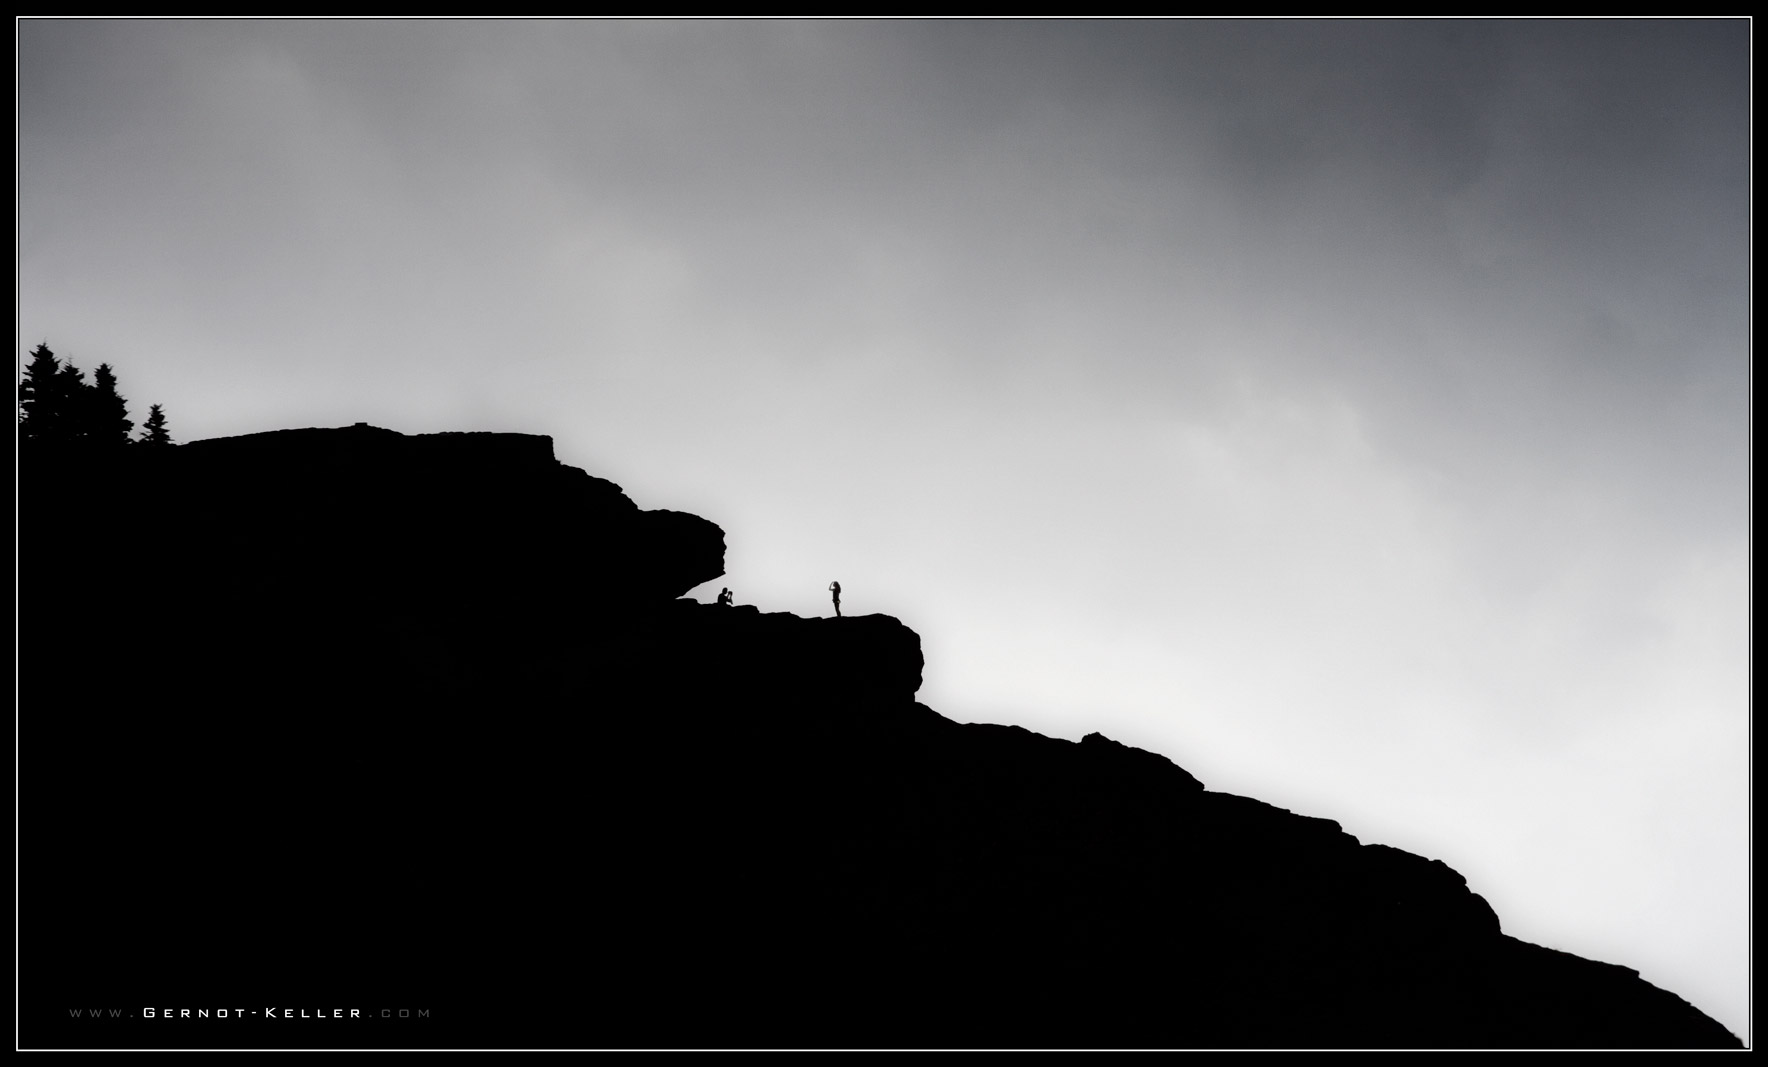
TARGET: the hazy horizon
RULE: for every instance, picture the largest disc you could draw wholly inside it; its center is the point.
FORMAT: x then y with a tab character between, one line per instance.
1355	412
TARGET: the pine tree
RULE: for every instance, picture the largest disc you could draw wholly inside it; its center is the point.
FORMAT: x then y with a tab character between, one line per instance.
36	395
153	431
71	404
110	423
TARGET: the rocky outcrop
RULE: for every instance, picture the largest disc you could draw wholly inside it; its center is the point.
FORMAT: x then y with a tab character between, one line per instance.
362	718
435	517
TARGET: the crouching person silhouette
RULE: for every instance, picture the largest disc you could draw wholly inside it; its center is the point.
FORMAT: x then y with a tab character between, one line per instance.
835	593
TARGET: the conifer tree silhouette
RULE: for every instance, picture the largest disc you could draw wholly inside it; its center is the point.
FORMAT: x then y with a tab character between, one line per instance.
108	411
70	406
36	395
153	431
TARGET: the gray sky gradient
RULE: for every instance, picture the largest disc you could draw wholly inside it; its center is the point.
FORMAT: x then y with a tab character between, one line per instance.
1355	412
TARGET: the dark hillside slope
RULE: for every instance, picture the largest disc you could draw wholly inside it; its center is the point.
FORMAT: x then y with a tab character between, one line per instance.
344	719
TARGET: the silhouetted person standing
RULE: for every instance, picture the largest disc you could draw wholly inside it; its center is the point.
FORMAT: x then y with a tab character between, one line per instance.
835	592
724	597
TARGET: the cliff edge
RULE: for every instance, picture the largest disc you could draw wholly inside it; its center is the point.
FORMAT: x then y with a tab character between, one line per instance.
335	717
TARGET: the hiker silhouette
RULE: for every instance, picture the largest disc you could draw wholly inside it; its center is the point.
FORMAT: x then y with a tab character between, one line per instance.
725	599
835	592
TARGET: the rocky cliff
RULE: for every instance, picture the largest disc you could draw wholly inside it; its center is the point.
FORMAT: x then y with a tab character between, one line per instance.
323	719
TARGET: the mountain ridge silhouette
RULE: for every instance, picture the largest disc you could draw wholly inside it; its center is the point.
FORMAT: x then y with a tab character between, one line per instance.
326	718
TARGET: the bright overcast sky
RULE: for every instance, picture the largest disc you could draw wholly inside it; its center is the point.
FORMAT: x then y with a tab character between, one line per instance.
1355	412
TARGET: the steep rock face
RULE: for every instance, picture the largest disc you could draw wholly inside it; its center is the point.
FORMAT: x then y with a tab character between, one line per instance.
369	718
